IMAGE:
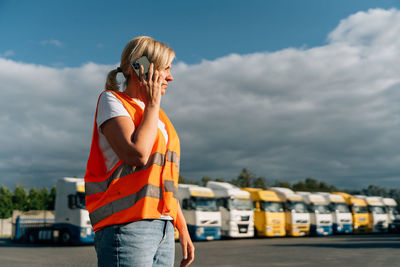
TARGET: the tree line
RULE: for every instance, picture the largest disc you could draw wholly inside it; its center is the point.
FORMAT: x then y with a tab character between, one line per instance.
24	200
43	199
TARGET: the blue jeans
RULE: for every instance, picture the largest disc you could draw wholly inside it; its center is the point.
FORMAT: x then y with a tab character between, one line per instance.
143	243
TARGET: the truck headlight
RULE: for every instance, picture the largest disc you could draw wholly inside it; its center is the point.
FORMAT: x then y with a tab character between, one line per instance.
200	231
83	232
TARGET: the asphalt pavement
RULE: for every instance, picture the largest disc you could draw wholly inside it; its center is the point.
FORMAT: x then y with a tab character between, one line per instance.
349	250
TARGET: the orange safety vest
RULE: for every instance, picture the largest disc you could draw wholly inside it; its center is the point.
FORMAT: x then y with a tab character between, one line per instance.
127	193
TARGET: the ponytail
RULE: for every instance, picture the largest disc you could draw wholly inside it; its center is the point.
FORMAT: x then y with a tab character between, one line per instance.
111	83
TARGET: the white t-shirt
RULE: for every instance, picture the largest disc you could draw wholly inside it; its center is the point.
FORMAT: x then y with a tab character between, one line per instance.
110	107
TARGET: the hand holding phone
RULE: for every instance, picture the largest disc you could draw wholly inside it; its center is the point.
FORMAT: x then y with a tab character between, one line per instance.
150	79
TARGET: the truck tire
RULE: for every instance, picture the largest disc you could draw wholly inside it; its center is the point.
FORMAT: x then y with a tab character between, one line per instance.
65	237
255	232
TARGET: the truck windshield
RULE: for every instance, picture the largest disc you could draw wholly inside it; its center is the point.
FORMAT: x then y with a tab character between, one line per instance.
340	207
240	204
321	209
80	200
204	203
392	210
377	209
270	206
360	209
299	207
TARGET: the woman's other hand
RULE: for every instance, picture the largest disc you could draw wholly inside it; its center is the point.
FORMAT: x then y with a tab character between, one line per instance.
187	248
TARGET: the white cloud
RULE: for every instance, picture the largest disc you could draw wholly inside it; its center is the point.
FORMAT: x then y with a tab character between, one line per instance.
328	112
52	42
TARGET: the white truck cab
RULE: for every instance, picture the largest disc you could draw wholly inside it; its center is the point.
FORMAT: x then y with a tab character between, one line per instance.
341	214
236	209
71	216
71	224
393	214
199	207
321	217
379	219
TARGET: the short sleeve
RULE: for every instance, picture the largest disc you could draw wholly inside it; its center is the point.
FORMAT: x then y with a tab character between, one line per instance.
109	107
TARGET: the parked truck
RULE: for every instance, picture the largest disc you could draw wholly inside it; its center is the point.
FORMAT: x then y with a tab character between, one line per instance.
378	217
341	214
393	214
236	210
71	224
199	206
359	211
297	217
269	215
320	213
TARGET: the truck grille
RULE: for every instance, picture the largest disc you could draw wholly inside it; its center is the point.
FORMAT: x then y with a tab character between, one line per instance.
243	228
245	218
209	222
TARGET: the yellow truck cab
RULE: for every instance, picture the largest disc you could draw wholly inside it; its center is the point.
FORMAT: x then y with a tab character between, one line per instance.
359	210
297	216
269	216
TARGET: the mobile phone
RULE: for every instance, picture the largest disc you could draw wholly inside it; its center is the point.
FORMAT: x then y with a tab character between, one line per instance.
144	61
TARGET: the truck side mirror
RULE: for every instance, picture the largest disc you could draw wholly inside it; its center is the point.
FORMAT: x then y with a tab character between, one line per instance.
72	202
256	205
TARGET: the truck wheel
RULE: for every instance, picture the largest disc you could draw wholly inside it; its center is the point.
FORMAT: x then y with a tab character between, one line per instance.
65	237
31	237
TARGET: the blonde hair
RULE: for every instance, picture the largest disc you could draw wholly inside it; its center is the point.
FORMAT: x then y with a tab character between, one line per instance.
158	53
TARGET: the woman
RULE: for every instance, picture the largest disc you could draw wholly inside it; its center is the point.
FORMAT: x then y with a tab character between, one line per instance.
132	172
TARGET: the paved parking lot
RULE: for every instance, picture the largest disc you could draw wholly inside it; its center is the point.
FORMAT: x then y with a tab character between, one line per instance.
353	250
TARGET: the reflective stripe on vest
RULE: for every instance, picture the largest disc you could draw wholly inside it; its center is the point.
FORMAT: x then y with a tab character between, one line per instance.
148	190
124	170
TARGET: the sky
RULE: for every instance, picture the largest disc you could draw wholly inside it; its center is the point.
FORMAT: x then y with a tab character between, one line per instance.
287	89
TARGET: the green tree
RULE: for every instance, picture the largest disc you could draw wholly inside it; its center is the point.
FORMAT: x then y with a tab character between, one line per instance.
324	187
374	190
299	186
244	179
51	199
183	180
312	185
204	180
20	199
39	199
260	182
6	205
34	199
282	184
